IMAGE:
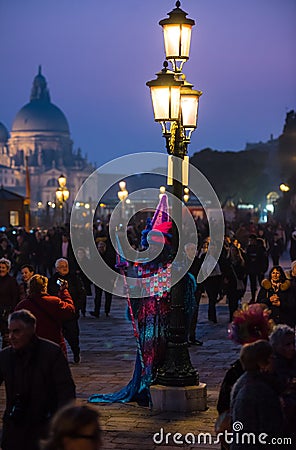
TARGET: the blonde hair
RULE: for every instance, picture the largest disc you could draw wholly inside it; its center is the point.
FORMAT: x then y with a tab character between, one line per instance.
38	284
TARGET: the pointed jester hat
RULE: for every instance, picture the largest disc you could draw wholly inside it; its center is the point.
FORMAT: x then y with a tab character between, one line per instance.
159	227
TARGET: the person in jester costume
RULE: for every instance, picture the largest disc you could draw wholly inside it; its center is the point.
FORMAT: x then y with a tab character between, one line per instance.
150	310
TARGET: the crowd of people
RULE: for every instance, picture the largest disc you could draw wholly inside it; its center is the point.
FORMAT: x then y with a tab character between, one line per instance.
43	294
259	389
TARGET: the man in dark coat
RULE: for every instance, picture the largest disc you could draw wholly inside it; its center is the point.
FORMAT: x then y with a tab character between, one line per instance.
78	294
256	263
37	381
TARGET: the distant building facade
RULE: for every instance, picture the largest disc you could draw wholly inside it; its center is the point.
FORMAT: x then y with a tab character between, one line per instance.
40	132
12	211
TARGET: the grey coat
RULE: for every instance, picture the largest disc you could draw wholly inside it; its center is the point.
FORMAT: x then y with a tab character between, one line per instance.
255	402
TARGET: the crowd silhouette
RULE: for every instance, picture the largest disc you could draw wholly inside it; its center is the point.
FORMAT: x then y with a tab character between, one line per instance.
40	273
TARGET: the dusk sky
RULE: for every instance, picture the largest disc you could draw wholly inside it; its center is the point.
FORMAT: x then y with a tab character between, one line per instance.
98	55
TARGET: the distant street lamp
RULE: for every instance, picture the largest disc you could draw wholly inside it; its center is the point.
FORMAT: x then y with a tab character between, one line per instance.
161	192
62	195
122	195
186	195
39	213
284	187
175	106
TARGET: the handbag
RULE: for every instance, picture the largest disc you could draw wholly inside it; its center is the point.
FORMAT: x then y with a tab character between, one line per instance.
240	285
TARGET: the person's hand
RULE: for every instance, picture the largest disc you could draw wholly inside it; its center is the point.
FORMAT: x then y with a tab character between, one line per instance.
275	300
64	285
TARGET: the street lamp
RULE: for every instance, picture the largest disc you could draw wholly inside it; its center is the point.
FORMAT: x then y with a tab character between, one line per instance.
62	195
284	187
161	192
186	195
122	195
175	106
177	36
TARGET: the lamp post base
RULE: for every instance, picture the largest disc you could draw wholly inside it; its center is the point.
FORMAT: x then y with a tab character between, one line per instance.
180	399
177	369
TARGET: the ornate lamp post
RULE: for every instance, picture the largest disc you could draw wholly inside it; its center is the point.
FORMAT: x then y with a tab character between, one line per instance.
122	195
62	195
175	106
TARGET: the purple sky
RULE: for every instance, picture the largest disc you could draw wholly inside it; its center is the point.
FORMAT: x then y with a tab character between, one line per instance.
97	56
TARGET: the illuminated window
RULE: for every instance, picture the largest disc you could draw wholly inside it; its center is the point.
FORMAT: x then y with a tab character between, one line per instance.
14	218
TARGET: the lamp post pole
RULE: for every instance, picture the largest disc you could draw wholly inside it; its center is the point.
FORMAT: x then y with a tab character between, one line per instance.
175	106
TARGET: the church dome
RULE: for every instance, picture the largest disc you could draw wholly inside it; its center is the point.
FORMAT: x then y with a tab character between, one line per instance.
4	135
40	114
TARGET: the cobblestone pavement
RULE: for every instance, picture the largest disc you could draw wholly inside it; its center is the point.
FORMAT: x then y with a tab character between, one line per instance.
107	361
108	355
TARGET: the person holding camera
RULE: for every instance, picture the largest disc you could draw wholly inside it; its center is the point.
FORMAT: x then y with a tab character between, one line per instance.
37	381
49	310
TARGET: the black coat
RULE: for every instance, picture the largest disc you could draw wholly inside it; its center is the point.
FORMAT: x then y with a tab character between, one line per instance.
285	313
42	378
75	288
9	293
256	259
230	378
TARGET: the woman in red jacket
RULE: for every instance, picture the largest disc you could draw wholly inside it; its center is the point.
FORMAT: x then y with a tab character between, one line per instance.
50	311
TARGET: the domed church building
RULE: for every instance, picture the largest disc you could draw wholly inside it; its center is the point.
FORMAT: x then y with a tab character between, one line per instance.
40	134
